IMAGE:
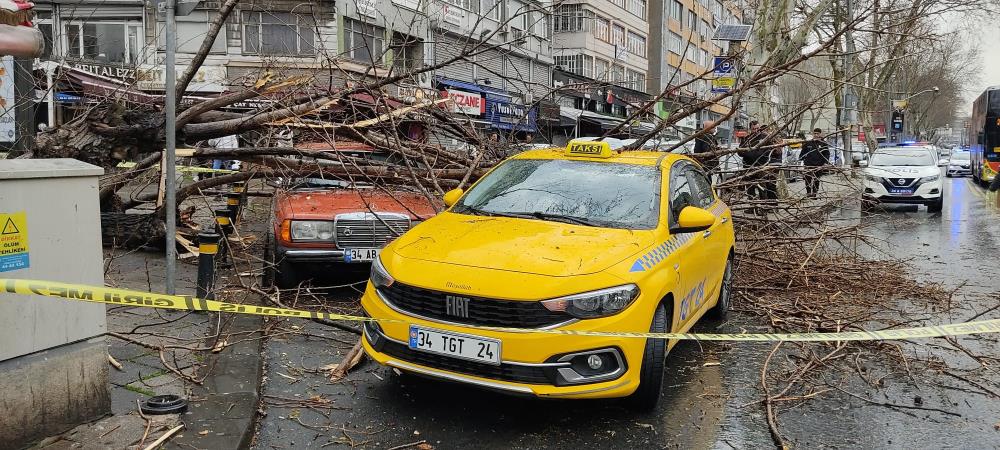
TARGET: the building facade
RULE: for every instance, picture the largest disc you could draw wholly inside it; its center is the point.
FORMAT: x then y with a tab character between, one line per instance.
681	38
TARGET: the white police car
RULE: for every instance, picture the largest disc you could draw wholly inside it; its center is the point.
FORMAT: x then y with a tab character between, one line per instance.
903	175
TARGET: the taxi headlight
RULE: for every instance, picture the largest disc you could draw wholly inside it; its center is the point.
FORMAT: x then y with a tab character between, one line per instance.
930	178
600	303
379	276
312	230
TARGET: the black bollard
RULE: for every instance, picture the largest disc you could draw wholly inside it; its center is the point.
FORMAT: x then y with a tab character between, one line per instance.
208	247
224	227
233	204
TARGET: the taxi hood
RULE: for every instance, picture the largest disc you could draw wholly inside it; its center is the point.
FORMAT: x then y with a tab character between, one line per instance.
520	245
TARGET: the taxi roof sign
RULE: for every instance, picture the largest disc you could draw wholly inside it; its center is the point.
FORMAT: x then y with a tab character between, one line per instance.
593	149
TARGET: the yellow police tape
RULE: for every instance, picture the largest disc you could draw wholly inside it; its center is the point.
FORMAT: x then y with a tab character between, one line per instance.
126	297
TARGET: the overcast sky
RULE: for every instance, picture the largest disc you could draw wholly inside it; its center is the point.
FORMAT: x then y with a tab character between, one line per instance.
989	60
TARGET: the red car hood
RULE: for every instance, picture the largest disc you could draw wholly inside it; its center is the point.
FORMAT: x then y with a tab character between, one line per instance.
325	204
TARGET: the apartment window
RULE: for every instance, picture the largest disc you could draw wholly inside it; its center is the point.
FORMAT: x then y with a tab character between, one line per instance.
190	34
601	68
620	3
692	20
617	74
578	64
677	11
636	44
706	29
271	33
406	52
717	9
674	43
571	18
636	80
541	24
110	42
471	5
363	42
691	54
637	8
490	9
602	29
618	35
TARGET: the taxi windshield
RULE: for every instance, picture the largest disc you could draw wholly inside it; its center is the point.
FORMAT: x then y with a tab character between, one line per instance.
902	159
596	194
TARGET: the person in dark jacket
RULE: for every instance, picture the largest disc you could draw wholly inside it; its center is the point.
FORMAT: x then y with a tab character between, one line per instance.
707	143
815	154
759	149
994	187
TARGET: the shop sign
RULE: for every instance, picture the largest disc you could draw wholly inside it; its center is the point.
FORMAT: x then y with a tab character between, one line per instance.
469	103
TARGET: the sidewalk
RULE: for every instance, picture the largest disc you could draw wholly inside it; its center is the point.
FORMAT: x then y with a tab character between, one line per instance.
221	411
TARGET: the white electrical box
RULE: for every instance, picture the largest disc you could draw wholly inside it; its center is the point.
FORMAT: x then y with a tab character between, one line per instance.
50	229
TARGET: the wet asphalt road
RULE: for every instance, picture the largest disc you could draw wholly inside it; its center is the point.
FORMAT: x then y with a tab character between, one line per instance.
709	389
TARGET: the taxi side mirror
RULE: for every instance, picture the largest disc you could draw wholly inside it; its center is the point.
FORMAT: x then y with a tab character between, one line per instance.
451	197
693	220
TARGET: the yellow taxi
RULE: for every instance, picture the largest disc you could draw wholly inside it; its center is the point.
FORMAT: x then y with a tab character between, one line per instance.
582	238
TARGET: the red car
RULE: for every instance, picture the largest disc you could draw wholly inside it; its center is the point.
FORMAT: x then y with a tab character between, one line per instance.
322	225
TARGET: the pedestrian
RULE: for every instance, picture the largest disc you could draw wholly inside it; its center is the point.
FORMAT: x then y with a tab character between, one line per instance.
759	150
815	155
705	147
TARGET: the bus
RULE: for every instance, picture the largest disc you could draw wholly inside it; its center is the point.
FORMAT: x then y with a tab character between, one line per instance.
984	136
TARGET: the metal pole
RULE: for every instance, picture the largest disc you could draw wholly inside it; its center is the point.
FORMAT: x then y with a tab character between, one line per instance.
170	163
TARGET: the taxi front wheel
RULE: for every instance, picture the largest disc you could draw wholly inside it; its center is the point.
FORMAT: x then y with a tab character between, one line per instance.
721	308
647	395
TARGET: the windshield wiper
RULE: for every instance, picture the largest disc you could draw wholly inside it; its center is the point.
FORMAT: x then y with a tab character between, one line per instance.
562	218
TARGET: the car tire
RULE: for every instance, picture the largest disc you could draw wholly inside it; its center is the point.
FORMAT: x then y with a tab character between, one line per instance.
267	273
721	309
936	206
647	395
947	175
277	273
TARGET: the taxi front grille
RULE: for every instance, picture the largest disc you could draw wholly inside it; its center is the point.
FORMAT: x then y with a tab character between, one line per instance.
503	372
369	232
481	311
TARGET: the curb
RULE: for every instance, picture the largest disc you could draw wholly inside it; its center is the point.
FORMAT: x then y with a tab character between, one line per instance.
222	413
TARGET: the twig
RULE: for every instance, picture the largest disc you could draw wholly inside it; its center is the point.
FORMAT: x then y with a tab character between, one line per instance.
164	438
896	405
411	444
772	423
115	363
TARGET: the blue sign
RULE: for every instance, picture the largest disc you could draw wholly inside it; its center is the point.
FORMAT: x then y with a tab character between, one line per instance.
505	115
723	65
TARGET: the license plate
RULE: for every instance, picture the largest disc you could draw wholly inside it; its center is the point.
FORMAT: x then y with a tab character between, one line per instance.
360	254
901	191
456	345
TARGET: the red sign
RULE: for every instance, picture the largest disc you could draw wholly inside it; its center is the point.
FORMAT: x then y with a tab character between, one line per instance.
861	136
469	103
741	133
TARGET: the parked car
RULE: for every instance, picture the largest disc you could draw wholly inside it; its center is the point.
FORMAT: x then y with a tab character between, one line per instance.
574	239
959	165
331	225
904	175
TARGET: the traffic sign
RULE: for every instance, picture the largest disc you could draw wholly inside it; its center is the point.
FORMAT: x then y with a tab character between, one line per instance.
723	65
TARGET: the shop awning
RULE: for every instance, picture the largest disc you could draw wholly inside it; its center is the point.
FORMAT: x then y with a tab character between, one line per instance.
572	116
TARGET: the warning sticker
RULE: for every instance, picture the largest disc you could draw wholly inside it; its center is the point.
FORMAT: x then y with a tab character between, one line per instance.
13	241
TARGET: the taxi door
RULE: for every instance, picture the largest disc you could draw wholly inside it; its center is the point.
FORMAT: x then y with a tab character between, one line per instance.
716	238
695	266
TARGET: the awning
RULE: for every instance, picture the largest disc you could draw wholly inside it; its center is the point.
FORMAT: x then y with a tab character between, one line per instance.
572	116
465	85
